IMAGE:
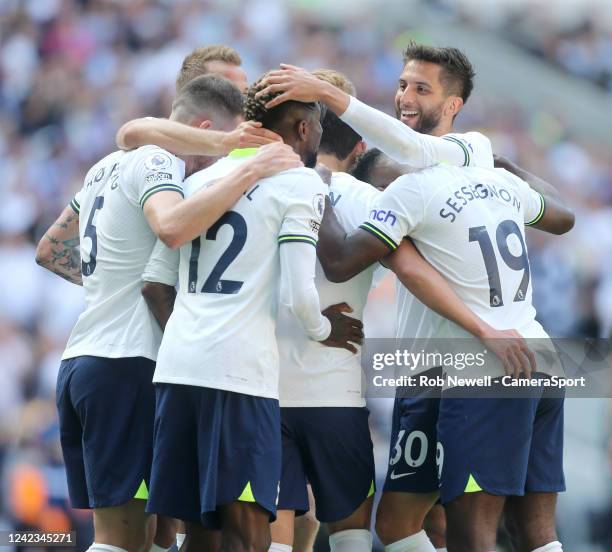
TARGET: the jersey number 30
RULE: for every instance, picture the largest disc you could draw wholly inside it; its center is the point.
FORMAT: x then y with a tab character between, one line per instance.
214	283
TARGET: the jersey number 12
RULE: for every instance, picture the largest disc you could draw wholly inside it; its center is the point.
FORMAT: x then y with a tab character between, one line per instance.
214	283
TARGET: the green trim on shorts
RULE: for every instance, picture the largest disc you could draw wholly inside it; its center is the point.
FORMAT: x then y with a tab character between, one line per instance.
247	494
472	486
372	490
142	493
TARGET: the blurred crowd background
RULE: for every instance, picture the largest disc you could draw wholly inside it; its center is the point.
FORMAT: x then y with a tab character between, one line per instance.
72	71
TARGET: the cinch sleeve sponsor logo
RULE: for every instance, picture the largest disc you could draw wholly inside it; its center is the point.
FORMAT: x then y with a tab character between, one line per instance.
382	215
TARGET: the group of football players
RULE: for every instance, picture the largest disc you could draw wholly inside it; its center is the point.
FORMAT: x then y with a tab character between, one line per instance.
227	254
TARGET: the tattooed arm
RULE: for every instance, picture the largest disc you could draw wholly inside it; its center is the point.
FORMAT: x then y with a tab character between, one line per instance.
58	250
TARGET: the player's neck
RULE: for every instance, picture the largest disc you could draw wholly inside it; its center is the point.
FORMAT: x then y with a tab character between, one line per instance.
333	163
442	129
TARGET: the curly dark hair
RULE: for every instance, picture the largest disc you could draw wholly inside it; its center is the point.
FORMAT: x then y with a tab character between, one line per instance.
254	109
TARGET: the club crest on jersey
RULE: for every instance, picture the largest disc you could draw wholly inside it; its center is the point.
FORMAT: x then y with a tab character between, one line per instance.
158	161
318	202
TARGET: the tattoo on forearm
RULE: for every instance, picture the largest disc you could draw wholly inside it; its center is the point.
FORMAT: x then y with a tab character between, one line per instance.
65	260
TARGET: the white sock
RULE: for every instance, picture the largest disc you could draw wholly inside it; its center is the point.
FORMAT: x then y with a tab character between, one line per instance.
157	548
95	547
278	547
351	540
441	550
418	542
554	546
180	539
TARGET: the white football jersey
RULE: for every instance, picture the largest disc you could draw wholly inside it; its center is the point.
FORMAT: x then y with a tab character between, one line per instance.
312	374
221	333
413	318
476	148
468	224
116	242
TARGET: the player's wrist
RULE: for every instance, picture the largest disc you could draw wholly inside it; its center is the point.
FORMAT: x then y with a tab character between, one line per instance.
324	331
337	100
228	141
252	171
482	330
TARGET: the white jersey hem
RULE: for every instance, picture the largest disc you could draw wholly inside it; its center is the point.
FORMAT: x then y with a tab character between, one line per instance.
243	390
322	404
74	352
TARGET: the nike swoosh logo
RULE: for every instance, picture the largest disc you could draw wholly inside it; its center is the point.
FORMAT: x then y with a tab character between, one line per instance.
393	475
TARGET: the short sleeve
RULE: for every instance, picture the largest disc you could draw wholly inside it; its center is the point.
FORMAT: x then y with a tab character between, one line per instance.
534	207
163	265
304	211
476	147
155	170
396	211
75	203
532	202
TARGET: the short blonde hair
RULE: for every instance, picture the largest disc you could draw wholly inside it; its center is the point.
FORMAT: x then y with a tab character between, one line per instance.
194	65
336	79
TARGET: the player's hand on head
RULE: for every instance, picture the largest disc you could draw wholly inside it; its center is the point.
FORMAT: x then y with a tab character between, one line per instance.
293	83
345	330
274	158
512	350
250	134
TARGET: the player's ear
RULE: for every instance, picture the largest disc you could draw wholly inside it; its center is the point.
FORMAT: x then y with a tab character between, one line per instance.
303	130
360	148
205	124
453	105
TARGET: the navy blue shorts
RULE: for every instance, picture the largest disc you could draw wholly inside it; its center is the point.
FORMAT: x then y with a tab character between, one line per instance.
414	455
503	446
211	448
106	409
330	448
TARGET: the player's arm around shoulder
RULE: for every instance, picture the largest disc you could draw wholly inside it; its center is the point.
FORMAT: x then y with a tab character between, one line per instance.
343	255
182	139
59	248
177	222
545	208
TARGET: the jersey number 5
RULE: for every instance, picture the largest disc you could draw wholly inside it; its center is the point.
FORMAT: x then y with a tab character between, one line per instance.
87	268
214	283
504	231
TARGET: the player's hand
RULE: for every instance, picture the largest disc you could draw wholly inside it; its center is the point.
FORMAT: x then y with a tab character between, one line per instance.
249	135
344	330
295	84
274	158
511	348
